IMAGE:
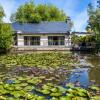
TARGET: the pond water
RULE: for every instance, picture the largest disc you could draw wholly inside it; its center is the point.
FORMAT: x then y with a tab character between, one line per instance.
85	75
93	73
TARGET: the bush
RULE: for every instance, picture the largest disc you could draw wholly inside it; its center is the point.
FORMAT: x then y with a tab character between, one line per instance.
6	34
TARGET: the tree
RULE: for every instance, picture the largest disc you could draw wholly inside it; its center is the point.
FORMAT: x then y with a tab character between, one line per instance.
30	13
56	14
1	13
6	33
94	24
5	36
25	13
42	11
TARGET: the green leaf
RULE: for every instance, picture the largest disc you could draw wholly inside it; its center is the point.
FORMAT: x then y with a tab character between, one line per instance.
45	91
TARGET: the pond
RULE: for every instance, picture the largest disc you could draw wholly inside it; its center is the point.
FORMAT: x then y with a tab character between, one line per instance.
52	83
94	73
84	76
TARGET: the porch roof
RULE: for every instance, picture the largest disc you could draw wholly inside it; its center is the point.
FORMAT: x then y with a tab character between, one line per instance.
42	27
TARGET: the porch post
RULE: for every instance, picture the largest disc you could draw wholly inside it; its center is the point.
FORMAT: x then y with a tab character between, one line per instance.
20	40
44	40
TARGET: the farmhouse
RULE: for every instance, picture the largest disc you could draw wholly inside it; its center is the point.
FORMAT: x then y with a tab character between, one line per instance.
42	36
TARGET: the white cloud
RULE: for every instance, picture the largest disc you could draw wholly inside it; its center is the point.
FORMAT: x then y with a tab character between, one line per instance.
9	7
69	6
80	21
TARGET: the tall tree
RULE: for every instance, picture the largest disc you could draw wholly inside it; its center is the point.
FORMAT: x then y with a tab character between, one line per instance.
5	36
94	23
6	33
1	13
31	13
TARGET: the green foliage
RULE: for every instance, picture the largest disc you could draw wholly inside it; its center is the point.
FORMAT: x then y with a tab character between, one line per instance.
31	13
6	33
19	91
25	13
94	23
78	39
1	13
44	60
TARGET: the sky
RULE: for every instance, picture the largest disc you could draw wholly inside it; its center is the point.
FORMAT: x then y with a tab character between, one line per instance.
76	9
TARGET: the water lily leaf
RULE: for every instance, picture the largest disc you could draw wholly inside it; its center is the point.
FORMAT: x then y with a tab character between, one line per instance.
69	95
3	91
54	89
55	94
1	87
50	84
79	98
29	96
28	88
10	98
41	98
54	98
17	81
21	78
82	94
95	98
2	98
45	91
18	87
23	84
61	89
8	87
69	85
33	81
16	94
46	87
65	98
94	88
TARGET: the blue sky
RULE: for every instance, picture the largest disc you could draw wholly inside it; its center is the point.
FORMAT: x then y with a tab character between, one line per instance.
76	9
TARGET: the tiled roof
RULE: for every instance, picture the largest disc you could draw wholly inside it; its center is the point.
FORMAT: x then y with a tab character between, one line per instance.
42	27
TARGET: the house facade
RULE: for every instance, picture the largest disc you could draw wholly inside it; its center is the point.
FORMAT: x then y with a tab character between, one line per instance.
42	36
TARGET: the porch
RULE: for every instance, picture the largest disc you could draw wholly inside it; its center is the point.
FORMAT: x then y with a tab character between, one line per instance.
43	42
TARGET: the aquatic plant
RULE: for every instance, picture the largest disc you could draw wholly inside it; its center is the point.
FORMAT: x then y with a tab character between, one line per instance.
44	60
29	88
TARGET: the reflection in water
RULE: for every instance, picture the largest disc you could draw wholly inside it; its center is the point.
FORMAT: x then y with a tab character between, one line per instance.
80	75
95	71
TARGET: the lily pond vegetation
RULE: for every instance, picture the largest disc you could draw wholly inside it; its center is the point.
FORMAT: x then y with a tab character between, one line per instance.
41	76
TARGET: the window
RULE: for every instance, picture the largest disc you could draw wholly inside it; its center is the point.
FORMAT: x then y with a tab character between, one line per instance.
56	40
35	40
26	40
31	40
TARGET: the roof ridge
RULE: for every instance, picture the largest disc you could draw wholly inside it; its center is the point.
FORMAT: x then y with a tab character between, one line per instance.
41	22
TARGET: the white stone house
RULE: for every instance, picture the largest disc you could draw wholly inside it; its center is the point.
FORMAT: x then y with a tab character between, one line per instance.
42	36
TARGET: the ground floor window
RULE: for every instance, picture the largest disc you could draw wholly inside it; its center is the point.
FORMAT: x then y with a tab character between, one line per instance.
31	40
56	40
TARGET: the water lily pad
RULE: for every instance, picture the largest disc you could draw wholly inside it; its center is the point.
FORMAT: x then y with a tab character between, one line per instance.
16	94
2	98
54	89
55	94
45	91
65	98
28	88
